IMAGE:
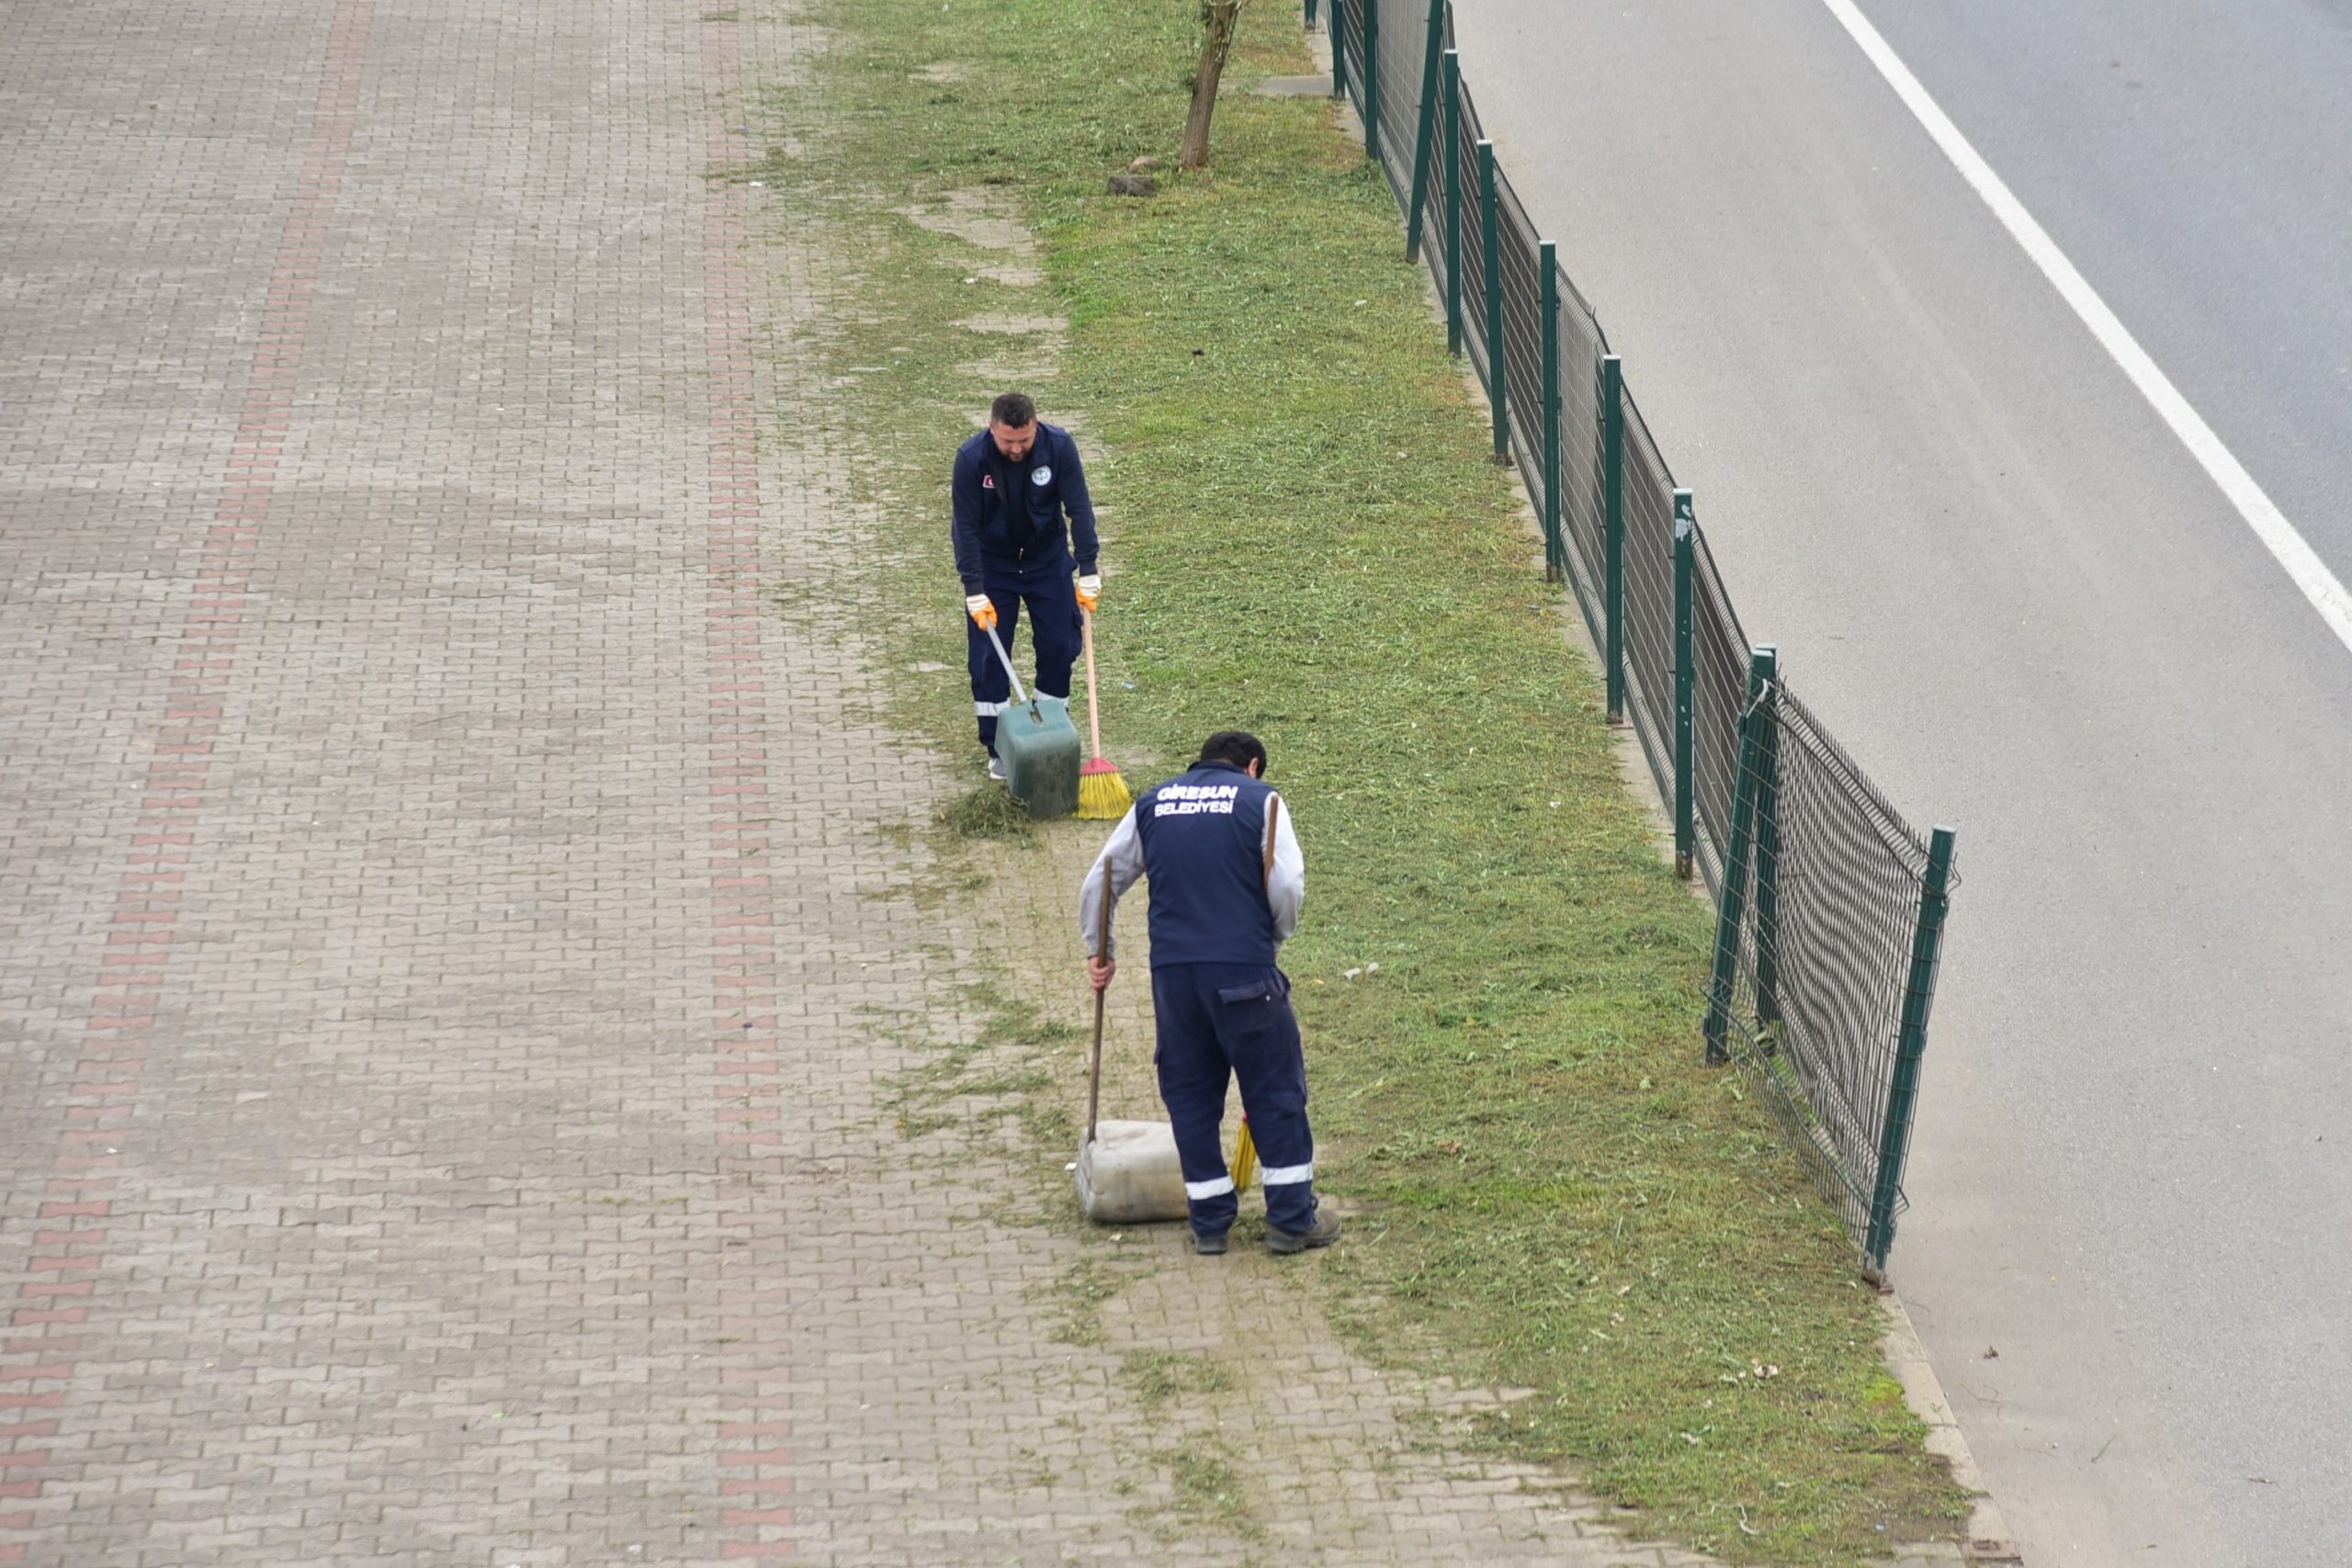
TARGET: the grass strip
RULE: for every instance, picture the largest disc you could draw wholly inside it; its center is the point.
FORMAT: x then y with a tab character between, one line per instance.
1306	537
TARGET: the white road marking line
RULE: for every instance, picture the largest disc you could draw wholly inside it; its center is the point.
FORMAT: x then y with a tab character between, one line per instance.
2287	547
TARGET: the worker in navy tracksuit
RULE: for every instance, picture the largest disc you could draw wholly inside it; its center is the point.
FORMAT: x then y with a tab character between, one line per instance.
1220	909
1012	484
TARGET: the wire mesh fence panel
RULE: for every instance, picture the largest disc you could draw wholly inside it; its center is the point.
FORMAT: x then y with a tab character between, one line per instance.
1403	36
1719	649
1346	24
1442	159
1445	168
1572	301
1523	336
1474	243
1649	597
1581	347
1825	951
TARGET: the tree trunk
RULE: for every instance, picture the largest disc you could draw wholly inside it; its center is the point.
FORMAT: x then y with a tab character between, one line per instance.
1219	17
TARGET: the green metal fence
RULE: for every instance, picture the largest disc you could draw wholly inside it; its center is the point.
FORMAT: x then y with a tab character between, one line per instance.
1828	932
1829	907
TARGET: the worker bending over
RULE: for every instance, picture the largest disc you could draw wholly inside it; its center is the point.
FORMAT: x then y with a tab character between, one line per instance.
1012	484
1226	880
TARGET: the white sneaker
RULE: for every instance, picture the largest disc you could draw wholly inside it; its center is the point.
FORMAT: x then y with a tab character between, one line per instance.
996	768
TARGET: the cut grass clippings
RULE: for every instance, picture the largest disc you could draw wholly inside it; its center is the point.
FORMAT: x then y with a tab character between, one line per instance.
1306	537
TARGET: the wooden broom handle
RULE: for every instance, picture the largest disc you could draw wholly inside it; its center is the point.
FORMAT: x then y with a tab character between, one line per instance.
1094	1073
1093	710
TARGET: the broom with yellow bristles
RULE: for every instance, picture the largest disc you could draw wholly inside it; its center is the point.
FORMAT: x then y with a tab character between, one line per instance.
1245	1157
1101	793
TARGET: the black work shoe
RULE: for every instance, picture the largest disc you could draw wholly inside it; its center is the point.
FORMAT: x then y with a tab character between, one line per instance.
1322	1233
1209	1246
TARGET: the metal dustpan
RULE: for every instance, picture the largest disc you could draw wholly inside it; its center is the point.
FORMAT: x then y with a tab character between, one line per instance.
1127	1171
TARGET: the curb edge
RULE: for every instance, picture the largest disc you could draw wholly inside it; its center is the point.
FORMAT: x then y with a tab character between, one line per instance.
1989	1541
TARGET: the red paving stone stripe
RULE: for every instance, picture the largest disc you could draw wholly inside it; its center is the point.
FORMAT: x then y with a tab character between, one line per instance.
43	1371
743	1067
122	1011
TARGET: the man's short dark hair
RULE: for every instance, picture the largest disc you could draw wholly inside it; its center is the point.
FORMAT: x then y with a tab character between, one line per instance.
1237	747
1012	410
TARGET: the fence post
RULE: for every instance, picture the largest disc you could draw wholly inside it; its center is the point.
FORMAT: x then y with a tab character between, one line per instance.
1489	227
1547	267
1613	529
1685	680
1761	662
1903	1094
1339	49
1369	89
1428	126
1767	881
1454	203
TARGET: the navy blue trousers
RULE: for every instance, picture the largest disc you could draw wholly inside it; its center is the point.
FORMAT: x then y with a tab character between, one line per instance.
1233	1021
1054	628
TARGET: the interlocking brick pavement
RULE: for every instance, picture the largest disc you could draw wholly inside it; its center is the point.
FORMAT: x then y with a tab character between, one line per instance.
457	966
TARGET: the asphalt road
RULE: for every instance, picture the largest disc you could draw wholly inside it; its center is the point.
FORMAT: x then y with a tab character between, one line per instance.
2007	586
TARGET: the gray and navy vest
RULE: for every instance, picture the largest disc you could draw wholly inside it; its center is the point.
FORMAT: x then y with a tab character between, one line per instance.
1204	837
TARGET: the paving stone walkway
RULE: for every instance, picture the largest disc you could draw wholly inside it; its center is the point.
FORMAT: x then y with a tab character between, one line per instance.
455	980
